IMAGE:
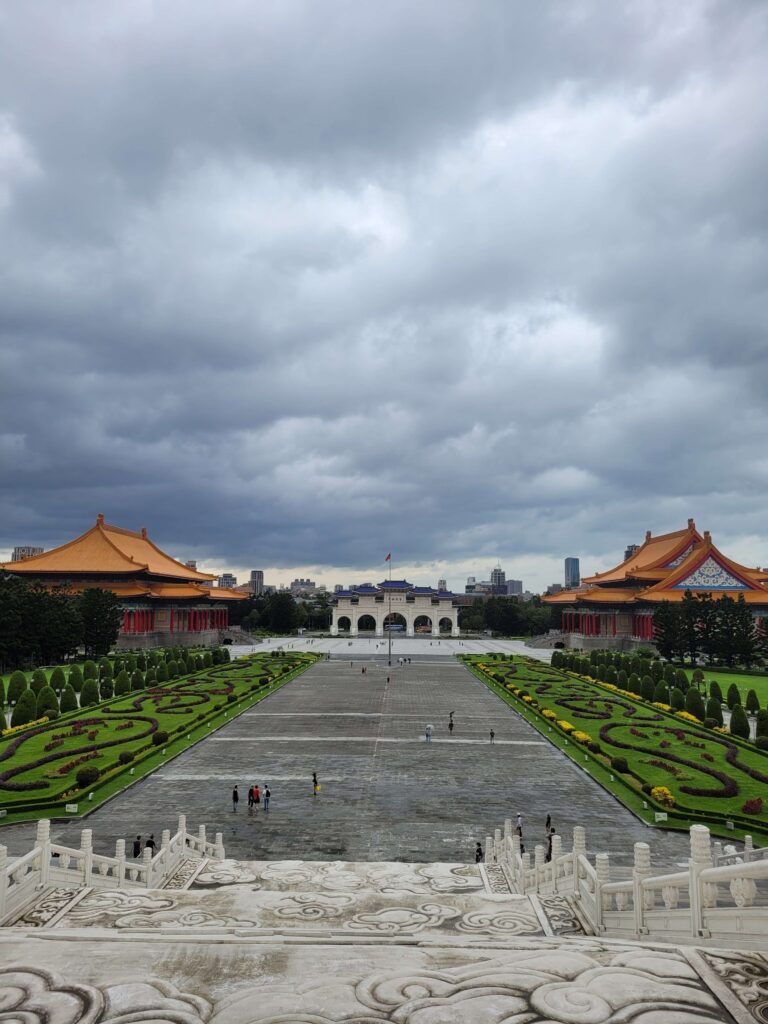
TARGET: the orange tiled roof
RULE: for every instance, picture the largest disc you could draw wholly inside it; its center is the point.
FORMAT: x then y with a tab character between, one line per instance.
655	553
163	591
593	595
671	588
109	550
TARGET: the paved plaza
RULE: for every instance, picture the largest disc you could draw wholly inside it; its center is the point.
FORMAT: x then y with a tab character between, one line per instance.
386	794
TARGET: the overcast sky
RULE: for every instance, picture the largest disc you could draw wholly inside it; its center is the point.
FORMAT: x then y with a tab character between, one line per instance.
298	283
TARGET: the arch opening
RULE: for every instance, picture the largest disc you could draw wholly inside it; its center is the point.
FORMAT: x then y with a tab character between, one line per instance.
445	625
366	624
395	623
344	624
422	624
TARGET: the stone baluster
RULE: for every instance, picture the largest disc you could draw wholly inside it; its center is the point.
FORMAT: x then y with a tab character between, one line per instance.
539	864
515	858
602	900
557	852
579	850
717	848
120	858
3	880
86	847
146	856
642	899
43	842
701	858
202	840
497	846
218	851
524	872
489	855
165	839
749	850
182	832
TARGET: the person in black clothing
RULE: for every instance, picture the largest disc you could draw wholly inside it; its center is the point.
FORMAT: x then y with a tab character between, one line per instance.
150	844
548	823
235	798
450	727
492	735
315	784
548	858
479	854
137	846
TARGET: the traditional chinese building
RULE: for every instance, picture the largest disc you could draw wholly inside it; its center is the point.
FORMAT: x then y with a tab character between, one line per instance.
615	608
163	601
397	604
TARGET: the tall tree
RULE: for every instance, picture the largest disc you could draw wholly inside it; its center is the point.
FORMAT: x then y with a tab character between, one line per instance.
101	617
745	632
689	625
668	632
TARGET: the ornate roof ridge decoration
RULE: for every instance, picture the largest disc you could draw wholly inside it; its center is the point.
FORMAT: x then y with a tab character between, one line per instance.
655	553
365	590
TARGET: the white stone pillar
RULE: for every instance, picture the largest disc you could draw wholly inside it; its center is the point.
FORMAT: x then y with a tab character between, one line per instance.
435	617
146	856
557	852
202	839
219	846
182	831
642	900
43	842
120	858
409	617
579	850
86	846
524	871
602	900
455	632
539	863
3	880
748	849
701	858
489	854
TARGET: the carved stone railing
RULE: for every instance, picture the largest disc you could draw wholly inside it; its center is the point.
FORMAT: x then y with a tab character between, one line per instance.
722	896
50	863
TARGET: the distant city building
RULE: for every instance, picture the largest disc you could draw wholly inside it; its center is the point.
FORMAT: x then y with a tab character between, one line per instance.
257	581
572	574
25	551
555	588
191	563
227	581
631	549
338	587
470	587
442	585
302	586
498	581
515	588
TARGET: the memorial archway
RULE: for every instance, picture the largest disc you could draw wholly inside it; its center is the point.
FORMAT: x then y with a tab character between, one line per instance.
344	625
422	624
395	622
445	625
366	624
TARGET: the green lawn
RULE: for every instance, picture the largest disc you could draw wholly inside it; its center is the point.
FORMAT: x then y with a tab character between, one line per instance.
38	766
744	683
711	775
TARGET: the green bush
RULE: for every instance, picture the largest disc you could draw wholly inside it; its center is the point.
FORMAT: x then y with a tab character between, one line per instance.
17	684
122	683
106	688
86	776
753	704
715	710
761	742
182	667
39	680
2	696
90	671
694	703
137	680
677	699
669	674
208	660
619	764
647	686
149	677
715	691
681	680
68	701
739	722
610	675
126	756
698	676
130	664
762	722
733	696
105	669
25	709
160	737
75	679
58	680
46	701
661	692
634	685
657	671
89	694
161	673
141	663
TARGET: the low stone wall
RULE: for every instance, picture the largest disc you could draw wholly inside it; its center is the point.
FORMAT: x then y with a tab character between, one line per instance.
164	638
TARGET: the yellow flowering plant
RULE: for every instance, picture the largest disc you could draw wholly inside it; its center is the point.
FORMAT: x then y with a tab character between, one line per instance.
663	796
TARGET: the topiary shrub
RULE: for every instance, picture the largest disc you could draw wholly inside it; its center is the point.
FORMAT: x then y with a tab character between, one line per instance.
762	742
182	667
106	688
739	722
39	680
647	686
68	701
208	660
677	699
105	669
715	691
710	723
130	663
657	671
17	684
619	764
669	674
610	674
694	703
149	677
635	685
58	680
76	679
231	698
46	701
122	683
753	704
126	756
160	737
661	692
715	710
137	680
90	671
762	722
2	696
141	663
161	673
681	680
25	709
86	776
733	696
90	692
698	676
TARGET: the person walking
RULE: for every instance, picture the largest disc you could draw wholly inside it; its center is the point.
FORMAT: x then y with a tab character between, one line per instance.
519	821
548	824
479	858
151	844
250	798
256	797
428	733
550	834
492	735
137	846
315	784
267	795
235	799
450	727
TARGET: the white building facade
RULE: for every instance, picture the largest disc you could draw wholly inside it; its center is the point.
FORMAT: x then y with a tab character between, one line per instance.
397	603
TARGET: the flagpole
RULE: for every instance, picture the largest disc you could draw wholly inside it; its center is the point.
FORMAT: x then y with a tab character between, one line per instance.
389	600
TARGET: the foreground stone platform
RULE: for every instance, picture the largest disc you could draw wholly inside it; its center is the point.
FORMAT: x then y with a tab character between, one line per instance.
299	942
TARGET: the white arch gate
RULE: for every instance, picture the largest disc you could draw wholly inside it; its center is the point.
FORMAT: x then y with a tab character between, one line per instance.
437	613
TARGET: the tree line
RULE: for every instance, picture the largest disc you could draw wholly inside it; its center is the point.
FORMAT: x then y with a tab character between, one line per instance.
722	631
506	615
39	626
279	613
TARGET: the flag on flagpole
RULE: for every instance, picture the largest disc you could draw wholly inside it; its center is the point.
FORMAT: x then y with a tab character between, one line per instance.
389	557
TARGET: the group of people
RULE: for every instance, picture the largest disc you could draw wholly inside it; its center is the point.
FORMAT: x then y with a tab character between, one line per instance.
428	731
148	844
549	829
255	797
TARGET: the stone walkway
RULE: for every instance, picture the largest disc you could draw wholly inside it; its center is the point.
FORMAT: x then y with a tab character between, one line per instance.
386	794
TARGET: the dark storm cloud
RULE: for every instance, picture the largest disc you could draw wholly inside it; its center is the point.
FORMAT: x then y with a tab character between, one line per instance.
291	283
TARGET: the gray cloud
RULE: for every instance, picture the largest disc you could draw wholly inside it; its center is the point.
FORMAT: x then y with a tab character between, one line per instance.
295	284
